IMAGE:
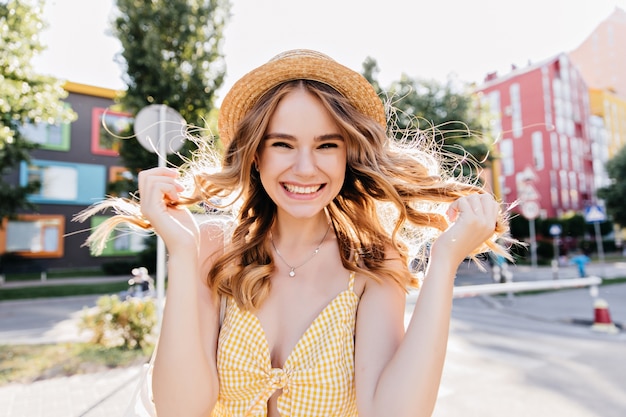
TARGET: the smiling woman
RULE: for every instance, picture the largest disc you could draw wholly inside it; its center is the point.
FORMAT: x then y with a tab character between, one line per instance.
291	302
302	159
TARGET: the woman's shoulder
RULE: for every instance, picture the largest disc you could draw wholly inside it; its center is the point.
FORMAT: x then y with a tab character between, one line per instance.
393	271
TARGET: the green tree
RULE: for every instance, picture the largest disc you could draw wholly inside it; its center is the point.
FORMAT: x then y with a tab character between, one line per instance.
171	55
25	97
448	112
370	72
614	195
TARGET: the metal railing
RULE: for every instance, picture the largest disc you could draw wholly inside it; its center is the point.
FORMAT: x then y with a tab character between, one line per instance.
520	286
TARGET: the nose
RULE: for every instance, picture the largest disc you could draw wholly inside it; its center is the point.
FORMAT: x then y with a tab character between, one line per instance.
304	165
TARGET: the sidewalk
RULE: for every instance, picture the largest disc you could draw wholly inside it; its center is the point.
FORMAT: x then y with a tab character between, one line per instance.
108	393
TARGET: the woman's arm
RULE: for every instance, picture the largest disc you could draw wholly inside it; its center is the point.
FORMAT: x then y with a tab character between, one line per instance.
185	379
398	373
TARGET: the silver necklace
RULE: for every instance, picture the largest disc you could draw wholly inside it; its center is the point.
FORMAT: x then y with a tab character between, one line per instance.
292	269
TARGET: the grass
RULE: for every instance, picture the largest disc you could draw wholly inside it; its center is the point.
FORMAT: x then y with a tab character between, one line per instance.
73	273
29	363
62	290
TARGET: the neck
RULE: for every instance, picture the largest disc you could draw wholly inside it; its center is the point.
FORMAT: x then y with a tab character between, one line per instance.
293	266
298	233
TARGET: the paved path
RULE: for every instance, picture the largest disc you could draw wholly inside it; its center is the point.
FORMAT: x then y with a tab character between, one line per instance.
107	393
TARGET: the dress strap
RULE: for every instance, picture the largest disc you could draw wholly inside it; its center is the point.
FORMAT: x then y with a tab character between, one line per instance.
351	282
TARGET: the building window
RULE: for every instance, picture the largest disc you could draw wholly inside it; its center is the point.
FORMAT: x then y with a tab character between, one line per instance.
107	129
564	189
564	152
35	236
119	180
573	190
124	240
554	150
506	152
54	137
537	140
577	154
55	182
554	189
583	187
494	109
516	110
64	183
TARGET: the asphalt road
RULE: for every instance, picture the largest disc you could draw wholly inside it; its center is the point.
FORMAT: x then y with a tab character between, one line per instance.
505	362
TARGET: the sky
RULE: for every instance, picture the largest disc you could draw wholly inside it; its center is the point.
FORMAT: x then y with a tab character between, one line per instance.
428	39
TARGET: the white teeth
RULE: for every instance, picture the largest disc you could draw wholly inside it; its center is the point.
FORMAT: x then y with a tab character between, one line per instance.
301	190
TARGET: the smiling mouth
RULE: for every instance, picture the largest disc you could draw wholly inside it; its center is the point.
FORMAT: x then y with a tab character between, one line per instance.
302	190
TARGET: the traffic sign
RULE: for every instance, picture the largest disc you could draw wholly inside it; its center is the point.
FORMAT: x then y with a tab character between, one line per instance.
594	213
160	129
555	230
527	192
530	209
527	175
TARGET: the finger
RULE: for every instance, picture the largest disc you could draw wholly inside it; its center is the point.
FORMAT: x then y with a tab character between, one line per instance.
148	175
453	211
465	206
491	208
478	202
169	191
163	190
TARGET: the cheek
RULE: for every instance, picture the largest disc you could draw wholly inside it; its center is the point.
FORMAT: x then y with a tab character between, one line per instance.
270	161
337	170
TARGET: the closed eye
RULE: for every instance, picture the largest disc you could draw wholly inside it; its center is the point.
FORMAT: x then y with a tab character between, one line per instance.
278	144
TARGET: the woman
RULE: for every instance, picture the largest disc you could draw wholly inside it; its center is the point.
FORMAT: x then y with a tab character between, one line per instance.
313	270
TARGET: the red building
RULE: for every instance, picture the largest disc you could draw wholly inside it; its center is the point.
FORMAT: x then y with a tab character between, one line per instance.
540	115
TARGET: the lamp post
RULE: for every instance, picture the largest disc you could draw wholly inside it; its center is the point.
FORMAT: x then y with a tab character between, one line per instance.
160	129
555	232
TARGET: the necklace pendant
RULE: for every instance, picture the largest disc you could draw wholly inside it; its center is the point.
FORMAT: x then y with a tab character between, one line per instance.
292	273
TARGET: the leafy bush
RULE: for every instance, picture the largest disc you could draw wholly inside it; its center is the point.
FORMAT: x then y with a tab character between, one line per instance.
121	267
127	323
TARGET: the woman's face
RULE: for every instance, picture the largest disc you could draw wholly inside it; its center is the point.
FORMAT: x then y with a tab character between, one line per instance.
302	159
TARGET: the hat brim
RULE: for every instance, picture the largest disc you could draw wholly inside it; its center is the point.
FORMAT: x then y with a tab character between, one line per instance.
297	65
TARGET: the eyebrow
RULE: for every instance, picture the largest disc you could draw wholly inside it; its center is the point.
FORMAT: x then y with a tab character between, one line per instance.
321	138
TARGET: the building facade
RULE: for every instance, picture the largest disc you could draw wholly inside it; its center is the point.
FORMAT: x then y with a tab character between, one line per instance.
73	166
611	108
540	115
601	58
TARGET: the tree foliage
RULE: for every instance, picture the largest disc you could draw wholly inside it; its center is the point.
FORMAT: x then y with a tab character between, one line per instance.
614	195
171	55
25	97
448	112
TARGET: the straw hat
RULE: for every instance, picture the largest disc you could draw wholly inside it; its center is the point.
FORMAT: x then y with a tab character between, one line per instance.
295	65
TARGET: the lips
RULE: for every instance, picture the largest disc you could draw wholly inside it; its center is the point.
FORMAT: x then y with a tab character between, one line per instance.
297	189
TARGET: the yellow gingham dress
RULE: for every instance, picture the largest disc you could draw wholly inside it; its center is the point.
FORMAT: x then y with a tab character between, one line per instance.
317	378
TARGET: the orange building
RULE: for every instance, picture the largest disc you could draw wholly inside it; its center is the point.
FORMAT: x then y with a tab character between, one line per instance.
602	62
601	58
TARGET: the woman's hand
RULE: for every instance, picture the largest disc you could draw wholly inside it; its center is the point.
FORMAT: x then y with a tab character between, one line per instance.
474	222
159	194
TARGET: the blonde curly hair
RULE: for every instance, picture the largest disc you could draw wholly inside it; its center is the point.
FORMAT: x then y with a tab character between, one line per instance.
394	195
